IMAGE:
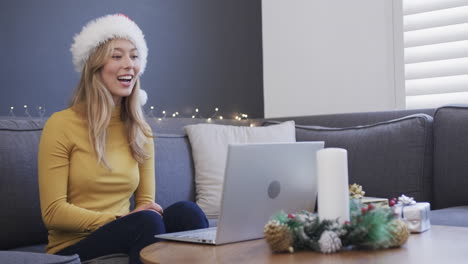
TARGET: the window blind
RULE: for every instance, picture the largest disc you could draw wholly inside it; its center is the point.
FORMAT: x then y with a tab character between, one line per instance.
436	52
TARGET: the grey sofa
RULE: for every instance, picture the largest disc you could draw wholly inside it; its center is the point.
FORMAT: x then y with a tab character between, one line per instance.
421	153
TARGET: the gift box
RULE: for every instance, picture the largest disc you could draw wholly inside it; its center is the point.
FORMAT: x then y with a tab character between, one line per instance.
416	216
379	202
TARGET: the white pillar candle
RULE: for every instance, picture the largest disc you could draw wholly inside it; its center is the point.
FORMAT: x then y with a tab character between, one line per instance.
333	192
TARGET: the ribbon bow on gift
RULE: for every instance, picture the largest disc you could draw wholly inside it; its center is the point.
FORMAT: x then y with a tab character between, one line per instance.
405	200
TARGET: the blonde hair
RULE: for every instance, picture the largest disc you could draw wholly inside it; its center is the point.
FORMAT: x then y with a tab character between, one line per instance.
94	101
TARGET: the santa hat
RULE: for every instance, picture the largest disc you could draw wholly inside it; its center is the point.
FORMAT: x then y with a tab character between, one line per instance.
105	28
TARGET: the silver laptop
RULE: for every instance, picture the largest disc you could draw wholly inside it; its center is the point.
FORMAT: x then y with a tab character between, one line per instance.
260	180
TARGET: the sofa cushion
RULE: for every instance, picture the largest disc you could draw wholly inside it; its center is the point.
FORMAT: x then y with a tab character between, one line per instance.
38	248
452	216
21	222
450	156
15	257
209	148
174	169
388	158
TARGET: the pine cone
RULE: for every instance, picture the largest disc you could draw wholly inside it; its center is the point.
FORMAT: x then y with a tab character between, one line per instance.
399	233
329	242
278	236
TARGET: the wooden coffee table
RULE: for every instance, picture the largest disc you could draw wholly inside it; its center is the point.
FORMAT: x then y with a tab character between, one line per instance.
441	244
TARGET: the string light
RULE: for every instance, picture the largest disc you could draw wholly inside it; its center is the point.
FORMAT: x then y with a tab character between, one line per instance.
11	113
40	112
151	113
26	112
214	114
196	114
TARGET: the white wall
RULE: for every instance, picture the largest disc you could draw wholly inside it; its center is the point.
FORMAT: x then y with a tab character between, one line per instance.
331	56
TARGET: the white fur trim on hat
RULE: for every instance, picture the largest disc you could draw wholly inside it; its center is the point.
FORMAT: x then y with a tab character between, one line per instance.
142	97
102	29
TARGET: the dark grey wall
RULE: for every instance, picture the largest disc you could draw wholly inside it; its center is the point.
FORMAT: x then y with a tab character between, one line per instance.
202	53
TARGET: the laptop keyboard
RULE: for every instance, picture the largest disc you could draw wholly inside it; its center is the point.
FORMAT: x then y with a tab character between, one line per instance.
206	234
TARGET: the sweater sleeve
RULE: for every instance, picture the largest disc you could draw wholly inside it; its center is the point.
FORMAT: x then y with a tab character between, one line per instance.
53	170
145	192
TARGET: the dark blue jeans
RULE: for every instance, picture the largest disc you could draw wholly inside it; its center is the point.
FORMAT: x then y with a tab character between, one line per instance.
132	233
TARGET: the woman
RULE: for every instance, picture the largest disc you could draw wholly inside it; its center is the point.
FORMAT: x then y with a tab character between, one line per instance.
99	152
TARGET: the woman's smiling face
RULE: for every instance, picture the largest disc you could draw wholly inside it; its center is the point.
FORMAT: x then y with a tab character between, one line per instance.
121	69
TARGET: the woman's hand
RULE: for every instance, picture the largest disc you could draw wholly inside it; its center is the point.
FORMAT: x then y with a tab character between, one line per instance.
149	206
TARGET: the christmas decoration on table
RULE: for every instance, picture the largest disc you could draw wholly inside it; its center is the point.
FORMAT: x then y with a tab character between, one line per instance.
279	237
405	200
415	215
356	191
370	227
378	202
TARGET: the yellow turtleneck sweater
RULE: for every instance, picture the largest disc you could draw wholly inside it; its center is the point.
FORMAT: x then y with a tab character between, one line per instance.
77	194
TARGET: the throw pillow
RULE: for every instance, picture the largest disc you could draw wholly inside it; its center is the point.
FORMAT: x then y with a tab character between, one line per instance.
209	150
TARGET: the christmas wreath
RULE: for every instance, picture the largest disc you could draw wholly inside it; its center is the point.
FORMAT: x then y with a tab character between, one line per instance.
370	227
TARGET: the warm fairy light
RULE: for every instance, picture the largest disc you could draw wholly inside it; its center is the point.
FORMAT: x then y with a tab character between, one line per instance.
252	125
216	114
25	106
11	108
